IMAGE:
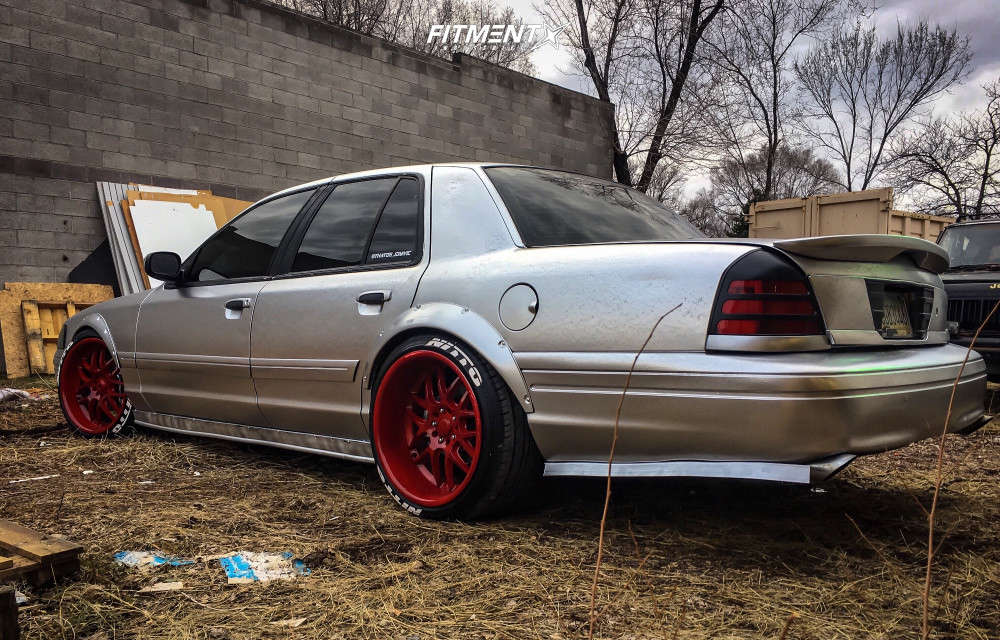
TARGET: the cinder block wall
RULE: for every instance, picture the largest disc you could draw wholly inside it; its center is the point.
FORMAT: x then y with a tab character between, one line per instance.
240	97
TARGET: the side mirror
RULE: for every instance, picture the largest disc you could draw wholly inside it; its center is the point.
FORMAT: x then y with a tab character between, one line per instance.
163	265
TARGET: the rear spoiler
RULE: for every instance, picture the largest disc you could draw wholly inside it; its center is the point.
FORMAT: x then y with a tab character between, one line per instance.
868	248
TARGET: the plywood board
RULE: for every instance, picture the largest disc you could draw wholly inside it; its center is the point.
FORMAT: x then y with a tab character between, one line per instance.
134	241
170	226
223	209
154	189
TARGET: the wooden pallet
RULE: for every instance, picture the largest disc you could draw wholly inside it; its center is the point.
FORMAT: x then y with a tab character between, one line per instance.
42	323
55	301
35	557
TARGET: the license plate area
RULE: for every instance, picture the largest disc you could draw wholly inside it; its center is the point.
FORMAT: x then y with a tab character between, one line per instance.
900	311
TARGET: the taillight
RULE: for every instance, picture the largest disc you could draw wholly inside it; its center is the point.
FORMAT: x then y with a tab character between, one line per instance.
763	294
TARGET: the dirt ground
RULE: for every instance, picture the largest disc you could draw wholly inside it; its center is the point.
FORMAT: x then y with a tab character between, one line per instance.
684	558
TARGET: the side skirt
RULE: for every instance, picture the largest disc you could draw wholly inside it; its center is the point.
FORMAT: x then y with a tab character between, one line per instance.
345	448
816	471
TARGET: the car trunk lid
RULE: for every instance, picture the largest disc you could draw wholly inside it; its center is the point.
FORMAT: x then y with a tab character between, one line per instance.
875	290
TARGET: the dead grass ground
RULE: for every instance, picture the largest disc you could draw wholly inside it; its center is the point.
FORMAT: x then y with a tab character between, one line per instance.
685	558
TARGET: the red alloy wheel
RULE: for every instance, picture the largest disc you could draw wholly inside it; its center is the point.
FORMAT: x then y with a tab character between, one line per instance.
90	387
427	428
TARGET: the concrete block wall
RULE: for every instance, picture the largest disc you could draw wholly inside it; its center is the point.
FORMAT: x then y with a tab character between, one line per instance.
240	97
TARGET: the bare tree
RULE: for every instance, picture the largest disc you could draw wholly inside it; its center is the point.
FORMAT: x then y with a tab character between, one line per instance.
640	55
751	47
950	165
702	212
796	172
861	90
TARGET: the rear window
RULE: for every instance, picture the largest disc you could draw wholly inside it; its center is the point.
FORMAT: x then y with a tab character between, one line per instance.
551	208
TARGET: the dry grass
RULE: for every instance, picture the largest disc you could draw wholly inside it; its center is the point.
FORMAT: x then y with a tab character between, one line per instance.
682	558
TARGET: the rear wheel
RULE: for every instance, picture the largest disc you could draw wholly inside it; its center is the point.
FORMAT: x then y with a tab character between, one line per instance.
449	440
91	392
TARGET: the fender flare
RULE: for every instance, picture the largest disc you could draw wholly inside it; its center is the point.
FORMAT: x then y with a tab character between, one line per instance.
463	324
95	322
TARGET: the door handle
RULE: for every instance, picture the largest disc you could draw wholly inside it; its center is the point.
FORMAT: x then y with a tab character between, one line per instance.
238	304
375	297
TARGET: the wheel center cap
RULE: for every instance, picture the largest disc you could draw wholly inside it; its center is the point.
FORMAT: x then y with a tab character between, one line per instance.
445	424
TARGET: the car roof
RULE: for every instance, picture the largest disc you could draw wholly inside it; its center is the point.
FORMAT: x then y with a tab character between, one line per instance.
414	168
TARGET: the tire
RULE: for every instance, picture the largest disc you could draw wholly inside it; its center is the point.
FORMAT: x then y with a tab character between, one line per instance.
477	458
91	391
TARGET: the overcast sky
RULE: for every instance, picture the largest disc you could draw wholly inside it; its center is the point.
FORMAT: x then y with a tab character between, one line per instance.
979	19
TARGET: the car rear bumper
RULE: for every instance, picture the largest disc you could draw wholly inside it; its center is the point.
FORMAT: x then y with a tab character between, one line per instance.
797	408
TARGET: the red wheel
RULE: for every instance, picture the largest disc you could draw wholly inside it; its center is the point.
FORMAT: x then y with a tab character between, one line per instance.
449	439
90	388
427	428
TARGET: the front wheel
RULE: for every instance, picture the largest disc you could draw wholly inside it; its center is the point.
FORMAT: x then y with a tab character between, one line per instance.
91	392
448	437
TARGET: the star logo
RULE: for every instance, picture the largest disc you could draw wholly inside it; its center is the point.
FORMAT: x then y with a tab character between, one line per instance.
552	36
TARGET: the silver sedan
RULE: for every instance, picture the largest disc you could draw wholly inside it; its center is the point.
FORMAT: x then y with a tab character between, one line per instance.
470	327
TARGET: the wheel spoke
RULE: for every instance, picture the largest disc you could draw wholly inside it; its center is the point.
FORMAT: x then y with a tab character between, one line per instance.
436	466
420	401
449	469
456	459
418	427
429	388
442	389
107	407
92	408
463	442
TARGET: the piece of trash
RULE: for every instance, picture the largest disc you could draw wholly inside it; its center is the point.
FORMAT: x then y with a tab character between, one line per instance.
291	622
87	472
20	598
818	490
148	559
55	475
162	586
145	482
7	394
197	473
42	443
248	566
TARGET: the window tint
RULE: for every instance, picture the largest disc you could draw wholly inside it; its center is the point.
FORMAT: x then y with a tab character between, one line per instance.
558	208
395	238
245	246
342	227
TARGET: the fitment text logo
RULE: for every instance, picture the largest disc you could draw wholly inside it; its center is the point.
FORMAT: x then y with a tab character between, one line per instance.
494	34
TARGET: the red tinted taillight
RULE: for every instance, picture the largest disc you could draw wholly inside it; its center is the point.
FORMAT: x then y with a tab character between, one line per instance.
764	295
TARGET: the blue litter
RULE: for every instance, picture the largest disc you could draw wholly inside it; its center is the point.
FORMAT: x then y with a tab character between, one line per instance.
148	559
248	566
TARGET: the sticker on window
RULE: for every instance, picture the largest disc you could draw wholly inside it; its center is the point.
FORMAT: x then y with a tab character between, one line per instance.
391	255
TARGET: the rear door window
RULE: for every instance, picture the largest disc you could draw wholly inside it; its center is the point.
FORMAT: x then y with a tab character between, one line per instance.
364	222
